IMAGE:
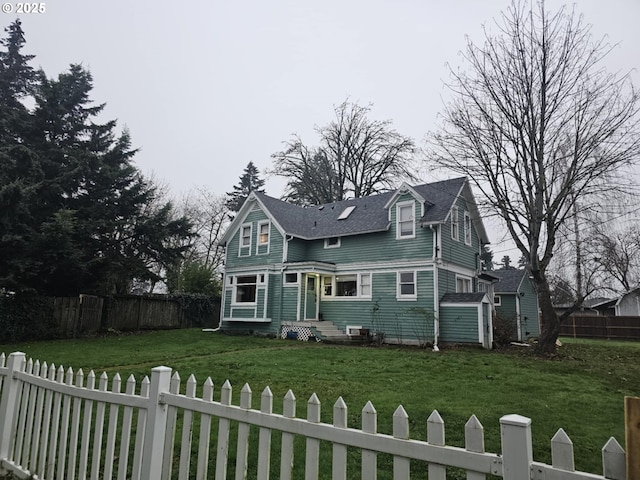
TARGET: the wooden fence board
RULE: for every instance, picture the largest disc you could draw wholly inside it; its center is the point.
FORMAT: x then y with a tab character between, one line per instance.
601	326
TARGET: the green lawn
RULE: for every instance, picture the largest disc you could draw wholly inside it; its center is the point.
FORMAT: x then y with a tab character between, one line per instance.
581	389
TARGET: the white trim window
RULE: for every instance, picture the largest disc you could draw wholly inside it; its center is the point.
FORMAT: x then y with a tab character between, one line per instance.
291	278
405	220
347	285
245	239
245	289
263	233
365	285
332	242
463	284
467	228
497	300
406	286
455	227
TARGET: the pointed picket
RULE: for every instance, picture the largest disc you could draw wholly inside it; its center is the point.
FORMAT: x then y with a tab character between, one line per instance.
55	425
169	438
46	422
205	433
141	427
187	432
369	457
75	429
286	455
98	429
339	465
125	437
401	465
243	436
562	451
614	460
114	410
474	442
31	409
264	437
312	457
85	436
224	425
435	436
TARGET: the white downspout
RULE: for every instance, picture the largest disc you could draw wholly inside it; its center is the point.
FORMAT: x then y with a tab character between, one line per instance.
436	302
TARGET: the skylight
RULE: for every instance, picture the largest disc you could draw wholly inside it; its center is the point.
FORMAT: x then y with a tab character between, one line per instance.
346	212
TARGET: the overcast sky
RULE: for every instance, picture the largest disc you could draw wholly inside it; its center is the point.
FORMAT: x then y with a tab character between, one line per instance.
207	86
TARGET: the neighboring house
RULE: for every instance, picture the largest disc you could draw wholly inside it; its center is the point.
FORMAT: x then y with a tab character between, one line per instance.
403	264
628	304
515	300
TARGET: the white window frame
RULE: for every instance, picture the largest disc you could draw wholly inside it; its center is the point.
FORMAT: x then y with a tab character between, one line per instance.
497	301
360	293
362	284
335	245
399	207
467	228
236	284
259	236
455	224
241	244
400	283
287	282
467	281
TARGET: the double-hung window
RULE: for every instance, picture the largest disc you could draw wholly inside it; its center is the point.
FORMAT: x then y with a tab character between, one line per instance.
245	240
263	233
406	288
455	227
467	228
463	285
405	220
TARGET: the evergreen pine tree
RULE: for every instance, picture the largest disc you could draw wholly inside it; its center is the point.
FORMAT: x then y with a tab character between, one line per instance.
249	181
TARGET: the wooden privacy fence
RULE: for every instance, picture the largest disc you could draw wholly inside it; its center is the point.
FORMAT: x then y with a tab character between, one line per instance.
57	424
601	326
87	314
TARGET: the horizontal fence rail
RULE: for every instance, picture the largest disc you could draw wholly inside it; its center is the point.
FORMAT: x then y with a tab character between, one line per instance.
61	424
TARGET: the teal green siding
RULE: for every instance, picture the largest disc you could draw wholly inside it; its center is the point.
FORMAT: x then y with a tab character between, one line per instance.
406	320
459	324
297	250
258	256
529	317
457	251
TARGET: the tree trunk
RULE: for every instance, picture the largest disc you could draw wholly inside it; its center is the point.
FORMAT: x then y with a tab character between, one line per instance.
550	320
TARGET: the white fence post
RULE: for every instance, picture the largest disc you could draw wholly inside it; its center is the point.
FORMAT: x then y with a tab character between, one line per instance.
8	405
517	449
156	425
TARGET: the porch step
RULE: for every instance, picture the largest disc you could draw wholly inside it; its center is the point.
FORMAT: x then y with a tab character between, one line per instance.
328	332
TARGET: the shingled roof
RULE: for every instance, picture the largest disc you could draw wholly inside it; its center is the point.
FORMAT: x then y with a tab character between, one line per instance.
510	280
369	214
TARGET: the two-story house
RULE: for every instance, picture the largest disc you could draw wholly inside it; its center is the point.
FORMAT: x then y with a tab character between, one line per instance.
403	264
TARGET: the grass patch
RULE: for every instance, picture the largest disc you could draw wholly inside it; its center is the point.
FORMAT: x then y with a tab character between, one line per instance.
581	389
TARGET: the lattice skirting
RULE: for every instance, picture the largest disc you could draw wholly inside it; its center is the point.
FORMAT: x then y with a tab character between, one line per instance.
298	333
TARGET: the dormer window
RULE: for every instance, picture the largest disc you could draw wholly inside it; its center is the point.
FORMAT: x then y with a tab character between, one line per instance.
405	220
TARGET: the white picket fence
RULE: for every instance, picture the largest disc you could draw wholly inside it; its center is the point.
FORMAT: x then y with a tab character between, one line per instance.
52	426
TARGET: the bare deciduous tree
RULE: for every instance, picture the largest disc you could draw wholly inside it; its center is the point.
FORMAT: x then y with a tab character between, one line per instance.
537	123
356	156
